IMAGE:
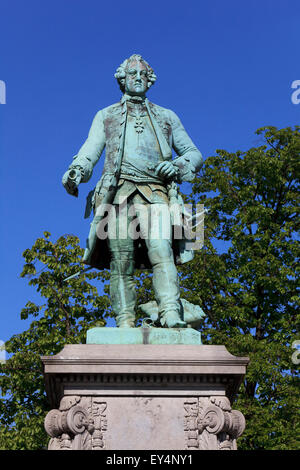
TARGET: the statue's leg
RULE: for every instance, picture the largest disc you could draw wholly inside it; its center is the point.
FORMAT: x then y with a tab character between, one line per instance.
165	284
165	277
122	285
122	288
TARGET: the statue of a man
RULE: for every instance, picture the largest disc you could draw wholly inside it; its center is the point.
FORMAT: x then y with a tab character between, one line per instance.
138	172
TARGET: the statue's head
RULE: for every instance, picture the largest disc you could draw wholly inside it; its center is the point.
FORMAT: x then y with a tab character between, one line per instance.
135	76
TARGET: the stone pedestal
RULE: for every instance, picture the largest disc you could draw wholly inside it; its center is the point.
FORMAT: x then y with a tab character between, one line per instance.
143	396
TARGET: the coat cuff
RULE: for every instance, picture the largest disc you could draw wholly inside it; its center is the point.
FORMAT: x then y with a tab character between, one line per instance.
85	168
187	170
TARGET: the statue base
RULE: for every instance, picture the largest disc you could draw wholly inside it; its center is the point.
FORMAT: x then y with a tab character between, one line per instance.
143	396
143	336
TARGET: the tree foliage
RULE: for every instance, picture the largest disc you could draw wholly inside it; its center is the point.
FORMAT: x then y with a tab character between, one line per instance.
248	291
66	311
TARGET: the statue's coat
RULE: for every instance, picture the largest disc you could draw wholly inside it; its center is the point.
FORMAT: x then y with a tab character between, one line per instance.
108	131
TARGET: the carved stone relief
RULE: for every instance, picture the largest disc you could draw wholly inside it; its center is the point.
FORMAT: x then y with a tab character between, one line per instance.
211	424
79	424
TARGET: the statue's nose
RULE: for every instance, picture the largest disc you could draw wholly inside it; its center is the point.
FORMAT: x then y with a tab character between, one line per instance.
138	76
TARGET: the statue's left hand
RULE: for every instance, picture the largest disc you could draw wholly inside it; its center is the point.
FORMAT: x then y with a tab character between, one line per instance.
166	170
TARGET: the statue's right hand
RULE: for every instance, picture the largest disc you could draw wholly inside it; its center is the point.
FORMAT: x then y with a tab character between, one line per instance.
71	180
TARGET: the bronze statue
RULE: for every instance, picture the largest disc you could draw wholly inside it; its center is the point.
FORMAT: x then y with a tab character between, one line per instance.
140	174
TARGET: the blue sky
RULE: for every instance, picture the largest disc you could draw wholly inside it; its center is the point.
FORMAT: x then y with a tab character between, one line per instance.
225	67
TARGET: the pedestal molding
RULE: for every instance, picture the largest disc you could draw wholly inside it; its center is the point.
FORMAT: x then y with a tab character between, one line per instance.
182	389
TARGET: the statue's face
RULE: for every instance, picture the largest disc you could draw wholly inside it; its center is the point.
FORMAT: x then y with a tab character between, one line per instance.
136	81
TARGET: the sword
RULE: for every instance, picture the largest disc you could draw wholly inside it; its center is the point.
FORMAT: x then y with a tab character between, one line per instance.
79	273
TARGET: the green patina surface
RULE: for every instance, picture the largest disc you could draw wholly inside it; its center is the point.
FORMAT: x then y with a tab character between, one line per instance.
139	192
143	336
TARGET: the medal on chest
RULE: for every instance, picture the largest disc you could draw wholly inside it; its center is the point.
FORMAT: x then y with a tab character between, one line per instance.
138	114
139	124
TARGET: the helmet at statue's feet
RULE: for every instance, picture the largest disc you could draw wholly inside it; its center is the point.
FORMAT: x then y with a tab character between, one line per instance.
172	320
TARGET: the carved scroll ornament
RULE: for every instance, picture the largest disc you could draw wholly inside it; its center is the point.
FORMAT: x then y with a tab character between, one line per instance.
78	424
211	424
